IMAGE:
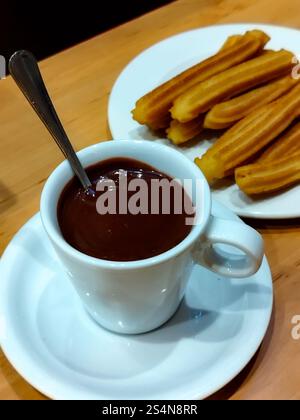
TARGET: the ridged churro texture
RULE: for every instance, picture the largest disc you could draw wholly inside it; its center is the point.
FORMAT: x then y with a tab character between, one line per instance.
226	113
153	108
286	145
242	141
203	96
234	39
179	133
266	177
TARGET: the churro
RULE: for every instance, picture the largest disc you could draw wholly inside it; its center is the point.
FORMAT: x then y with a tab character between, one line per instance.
266	177
286	145
160	124
182	132
249	136
227	113
203	96
231	40
153	107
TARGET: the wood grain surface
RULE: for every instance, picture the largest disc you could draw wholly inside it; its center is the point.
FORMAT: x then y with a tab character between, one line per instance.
80	80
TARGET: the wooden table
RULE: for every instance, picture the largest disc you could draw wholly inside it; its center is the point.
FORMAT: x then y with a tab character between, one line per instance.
80	80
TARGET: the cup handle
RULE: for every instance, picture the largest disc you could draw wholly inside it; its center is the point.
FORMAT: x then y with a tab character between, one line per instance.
235	234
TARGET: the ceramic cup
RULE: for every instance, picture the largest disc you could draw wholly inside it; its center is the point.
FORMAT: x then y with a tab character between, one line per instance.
137	296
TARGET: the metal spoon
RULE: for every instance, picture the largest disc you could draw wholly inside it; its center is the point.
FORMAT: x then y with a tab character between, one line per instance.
24	69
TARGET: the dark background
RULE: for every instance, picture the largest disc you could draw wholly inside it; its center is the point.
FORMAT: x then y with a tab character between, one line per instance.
46	27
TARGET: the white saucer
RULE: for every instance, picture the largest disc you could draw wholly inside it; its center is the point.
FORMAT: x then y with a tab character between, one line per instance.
54	344
169	57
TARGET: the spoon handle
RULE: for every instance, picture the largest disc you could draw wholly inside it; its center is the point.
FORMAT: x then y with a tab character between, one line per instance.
24	69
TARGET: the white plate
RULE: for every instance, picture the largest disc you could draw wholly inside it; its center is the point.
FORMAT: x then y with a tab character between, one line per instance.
52	342
173	55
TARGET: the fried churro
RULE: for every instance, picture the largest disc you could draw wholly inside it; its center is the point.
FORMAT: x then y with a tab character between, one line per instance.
249	136
203	96
153	107
232	40
266	177
286	145
182	132
160	124
225	114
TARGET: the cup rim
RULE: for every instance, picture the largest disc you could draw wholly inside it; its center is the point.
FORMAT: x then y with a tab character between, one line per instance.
57	238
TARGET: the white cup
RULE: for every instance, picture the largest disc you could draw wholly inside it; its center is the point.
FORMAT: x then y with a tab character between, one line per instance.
137	296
